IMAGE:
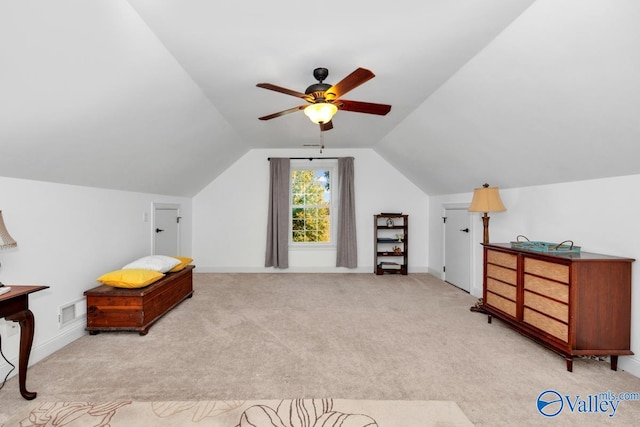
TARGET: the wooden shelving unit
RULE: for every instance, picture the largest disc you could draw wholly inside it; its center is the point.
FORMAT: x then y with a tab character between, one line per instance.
390	243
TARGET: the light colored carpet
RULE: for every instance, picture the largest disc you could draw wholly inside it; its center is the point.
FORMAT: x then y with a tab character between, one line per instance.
265	413
344	336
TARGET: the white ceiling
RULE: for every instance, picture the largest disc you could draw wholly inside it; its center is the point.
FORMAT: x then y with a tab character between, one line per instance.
160	95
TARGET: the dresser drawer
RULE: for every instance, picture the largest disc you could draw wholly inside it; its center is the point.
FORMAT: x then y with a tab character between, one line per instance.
501	288
555	309
559	272
503	259
501	303
546	324
555	290
504	274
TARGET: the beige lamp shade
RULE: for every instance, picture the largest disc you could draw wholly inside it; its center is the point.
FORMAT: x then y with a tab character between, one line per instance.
486	199
6	241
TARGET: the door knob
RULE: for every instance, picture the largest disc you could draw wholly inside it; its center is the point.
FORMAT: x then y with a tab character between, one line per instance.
466	230
159	230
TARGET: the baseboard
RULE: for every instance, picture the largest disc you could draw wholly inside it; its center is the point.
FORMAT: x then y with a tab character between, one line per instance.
206	269
630	364
437	273
47	348
365	269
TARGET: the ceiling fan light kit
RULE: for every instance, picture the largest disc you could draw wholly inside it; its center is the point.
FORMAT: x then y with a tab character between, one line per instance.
324	99
321	112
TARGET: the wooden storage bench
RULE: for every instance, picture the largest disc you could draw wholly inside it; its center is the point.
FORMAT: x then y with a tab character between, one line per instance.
119	309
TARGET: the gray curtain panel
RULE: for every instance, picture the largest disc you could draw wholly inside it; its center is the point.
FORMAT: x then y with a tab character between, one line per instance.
277	254
347	250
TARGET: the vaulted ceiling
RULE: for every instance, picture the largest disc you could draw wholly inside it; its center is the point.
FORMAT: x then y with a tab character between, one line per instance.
160	96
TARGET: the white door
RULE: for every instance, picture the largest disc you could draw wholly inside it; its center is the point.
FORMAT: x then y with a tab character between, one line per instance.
166	230
457	251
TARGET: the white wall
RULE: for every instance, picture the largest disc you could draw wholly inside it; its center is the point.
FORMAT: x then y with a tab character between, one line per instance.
67	237
230	214
598	215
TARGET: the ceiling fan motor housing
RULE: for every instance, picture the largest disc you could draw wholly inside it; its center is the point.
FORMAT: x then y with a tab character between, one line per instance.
318	89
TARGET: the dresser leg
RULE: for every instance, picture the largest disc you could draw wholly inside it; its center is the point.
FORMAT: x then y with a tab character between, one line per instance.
569	360
614	363
489	317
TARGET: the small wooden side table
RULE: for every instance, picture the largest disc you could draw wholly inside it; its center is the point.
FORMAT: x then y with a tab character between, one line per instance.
14	306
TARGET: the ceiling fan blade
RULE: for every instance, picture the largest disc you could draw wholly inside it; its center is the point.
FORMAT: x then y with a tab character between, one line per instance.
326	126
363	107
283	90
282	113
350	82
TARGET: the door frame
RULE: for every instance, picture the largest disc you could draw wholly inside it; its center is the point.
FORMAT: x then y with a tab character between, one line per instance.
157	206
472	243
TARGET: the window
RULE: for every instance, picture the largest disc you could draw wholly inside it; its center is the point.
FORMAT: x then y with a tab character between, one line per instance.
311	203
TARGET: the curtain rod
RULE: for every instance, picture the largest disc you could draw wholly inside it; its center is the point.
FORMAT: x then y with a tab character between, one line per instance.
310	158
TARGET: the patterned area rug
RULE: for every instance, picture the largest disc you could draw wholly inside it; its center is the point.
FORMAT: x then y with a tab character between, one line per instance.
253	413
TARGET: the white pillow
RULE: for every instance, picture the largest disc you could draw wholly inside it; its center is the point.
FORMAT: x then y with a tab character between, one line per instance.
159	263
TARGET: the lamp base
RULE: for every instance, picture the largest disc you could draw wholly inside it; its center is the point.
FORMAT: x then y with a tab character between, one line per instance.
478	307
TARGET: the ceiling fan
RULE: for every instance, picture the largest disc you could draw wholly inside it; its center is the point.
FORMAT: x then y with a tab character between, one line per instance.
325	100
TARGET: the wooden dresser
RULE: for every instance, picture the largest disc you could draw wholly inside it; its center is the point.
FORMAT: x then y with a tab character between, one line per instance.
574	304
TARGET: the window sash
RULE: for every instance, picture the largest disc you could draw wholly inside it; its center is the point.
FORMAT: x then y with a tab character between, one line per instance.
329	205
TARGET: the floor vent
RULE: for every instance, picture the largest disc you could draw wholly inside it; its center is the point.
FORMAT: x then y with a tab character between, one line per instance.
71	312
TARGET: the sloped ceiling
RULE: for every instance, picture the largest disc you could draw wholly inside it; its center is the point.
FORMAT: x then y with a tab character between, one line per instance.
159	95
554	98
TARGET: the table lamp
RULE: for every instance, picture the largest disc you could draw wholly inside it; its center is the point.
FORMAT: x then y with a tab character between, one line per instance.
6	241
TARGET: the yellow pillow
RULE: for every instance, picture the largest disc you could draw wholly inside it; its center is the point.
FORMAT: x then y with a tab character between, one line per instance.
184	261
131	278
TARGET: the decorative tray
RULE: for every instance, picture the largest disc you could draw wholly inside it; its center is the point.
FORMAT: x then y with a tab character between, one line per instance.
566	247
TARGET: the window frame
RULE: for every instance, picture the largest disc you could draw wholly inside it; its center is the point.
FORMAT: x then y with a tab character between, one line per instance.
315	165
